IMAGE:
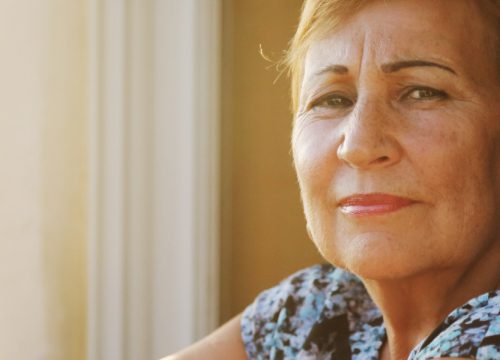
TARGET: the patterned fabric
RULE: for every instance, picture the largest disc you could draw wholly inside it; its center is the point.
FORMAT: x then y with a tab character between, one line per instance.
325	313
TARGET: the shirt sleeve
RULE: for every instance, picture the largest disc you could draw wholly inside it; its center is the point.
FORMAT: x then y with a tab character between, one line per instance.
274	325
471	331
489	347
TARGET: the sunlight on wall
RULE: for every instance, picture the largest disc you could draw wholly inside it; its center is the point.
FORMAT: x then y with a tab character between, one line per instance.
42	179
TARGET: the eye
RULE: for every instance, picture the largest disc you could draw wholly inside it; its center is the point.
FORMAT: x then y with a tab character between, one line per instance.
332	101
425	93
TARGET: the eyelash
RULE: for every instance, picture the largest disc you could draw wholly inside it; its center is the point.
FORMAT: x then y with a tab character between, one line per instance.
344	102
322	101
435	94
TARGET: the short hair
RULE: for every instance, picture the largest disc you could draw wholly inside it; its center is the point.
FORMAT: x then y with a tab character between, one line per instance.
318	17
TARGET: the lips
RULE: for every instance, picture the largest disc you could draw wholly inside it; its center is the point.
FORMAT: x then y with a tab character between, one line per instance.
373	204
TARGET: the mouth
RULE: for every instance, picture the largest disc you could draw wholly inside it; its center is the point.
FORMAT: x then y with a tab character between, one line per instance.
373	204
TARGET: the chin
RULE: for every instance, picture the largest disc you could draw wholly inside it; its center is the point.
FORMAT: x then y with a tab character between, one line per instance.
376	257
371	268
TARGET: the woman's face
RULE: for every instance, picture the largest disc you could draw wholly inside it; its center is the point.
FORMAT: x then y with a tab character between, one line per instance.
396	142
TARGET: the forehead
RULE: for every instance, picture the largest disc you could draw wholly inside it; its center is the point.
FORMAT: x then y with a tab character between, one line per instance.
448	31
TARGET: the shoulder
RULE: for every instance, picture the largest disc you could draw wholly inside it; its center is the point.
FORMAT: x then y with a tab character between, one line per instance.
281	319
316	279
487	317
302	294
472	330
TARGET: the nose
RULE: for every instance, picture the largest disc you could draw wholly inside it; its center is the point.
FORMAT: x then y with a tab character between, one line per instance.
368	140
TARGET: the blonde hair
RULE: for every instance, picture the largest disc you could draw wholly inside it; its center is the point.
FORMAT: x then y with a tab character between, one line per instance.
318	17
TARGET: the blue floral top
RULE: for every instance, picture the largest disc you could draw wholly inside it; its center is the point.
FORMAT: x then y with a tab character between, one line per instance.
325	313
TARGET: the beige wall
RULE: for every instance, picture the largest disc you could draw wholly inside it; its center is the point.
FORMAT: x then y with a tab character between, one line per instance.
264	236
42	179
43	174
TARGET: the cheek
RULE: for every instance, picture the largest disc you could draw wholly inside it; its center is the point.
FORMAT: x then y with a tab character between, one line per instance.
315	156
448	149
453	162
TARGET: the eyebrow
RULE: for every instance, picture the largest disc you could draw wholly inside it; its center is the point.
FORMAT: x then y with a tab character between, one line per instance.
336	69
387	68
399	65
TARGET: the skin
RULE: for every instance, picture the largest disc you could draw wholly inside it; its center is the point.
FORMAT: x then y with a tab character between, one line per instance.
426	133
224	343
376	117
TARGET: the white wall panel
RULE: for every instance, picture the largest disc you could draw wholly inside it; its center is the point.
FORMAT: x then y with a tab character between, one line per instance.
154	238
43	179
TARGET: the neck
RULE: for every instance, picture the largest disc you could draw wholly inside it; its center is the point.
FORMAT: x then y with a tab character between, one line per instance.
414	306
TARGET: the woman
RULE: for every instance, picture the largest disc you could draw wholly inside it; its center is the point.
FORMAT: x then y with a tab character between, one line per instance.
396	144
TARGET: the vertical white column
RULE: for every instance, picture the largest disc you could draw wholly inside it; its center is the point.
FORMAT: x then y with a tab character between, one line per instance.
187	61
106	245
174	187
207	162
139	180
154	239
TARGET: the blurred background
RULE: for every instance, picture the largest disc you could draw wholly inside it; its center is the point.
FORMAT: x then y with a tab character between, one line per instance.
147	191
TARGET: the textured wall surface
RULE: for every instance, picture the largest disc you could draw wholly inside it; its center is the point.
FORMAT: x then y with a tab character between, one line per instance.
264	235
43	179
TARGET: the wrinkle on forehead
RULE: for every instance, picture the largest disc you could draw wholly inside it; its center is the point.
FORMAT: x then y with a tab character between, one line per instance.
439	31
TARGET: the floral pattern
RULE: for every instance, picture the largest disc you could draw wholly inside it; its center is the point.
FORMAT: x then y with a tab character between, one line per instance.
325	313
